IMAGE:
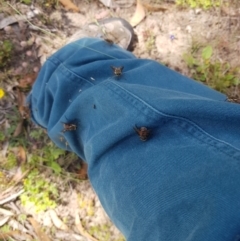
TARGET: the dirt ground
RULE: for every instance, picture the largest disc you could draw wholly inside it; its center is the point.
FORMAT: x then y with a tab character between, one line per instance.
164	35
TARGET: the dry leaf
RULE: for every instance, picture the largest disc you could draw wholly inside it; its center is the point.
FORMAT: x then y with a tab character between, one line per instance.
19	175
230	11
21	100
154	7
20	97
139	14
37	228
57	221
24	111
18	129
21	156
11	19
6	212
11	197
8	234
83	172
69	5
3	221
25	84
81	229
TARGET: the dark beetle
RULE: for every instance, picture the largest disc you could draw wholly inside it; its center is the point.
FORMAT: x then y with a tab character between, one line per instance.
117	70
109	41
143	132
69	127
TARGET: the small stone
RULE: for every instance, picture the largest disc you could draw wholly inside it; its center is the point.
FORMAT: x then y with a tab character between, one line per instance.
36	11
29	53
198	11
22	25
23	43
102	14
31	41
38	41
36	69
189	29
30	14
8	29
18	70
24	64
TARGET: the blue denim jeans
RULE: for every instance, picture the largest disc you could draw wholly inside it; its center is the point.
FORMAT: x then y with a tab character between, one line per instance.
183	182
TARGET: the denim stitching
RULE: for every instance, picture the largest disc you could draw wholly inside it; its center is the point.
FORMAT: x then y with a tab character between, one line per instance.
179	119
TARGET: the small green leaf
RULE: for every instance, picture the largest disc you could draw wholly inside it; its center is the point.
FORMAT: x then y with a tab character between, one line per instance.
56	168
28	2
207	52
236	81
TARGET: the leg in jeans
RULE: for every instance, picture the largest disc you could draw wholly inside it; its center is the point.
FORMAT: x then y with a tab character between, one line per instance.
181	181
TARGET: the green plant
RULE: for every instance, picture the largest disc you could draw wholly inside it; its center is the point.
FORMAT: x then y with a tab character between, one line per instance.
102	232
48	155
39	193
6	48
205	4
149	39
219	76
28	2
50	3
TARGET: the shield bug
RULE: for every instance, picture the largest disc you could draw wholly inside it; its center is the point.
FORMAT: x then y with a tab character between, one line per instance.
143	132
117	70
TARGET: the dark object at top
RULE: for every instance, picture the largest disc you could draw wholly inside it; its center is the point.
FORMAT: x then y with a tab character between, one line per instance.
117	70
109	41
143	132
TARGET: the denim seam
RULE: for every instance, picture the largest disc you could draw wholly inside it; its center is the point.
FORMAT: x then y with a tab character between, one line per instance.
64	69
94	50
209	139
109	84
60	65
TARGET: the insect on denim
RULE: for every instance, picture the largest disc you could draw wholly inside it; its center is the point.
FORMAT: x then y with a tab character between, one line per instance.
182	182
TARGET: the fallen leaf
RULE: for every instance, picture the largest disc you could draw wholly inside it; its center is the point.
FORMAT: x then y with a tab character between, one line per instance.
37	228
25	84
68	4
229	11
3	221
24	111
21	100
11	197
19	175
83	172
8	234
20	96
57	221
18	129
81	229
11	19
139	14
6	212
154	7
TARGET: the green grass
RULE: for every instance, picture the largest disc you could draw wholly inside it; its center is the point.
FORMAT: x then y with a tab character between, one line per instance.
215	74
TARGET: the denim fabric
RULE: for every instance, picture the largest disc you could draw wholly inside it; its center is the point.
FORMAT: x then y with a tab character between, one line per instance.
183	183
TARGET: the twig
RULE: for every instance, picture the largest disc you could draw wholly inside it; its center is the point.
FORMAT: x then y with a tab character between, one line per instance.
41	29
12	197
